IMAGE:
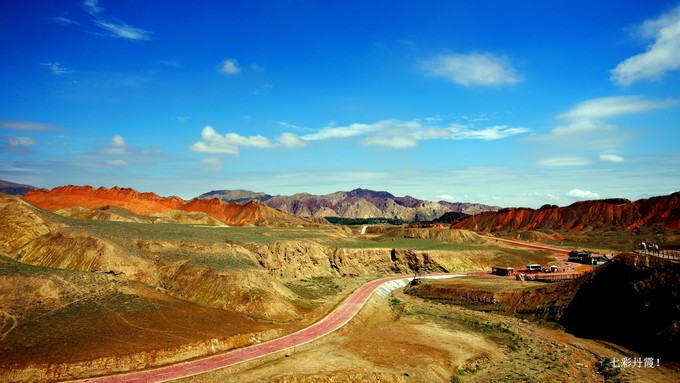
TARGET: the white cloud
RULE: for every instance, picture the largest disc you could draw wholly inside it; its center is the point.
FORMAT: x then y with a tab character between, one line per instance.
117	146
92	7
291	140
394	134
611	158
446	197
56	68
662	56
61	20
582	194
229	67
486	134
114	29
564	161
331	132
213	142
598	108
118	141
116	163
436	133
474	69
21	141
390	142
578	128
28	125
125	31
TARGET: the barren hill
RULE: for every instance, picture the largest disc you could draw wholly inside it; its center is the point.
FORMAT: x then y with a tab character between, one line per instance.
65	197
86	196
357	203
609	214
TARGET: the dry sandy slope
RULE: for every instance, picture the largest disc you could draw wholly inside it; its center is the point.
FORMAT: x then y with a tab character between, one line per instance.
405	339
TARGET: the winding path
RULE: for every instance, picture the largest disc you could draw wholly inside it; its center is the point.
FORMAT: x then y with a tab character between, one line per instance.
333	321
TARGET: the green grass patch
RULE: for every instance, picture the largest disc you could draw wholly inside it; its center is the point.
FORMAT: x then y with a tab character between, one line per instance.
405	243
315	288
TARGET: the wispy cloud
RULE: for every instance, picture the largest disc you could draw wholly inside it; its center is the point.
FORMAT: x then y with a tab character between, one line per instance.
585	132
229	67
393	134
564	161
212	164
61	20
92	7
28	126
472	69
117	162
662	55
290	140
603	107
124	31
610	157
395	142
114	29
18	145
57	68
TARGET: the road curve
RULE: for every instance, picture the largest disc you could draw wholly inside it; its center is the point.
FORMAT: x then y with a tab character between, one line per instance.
525	244
333	321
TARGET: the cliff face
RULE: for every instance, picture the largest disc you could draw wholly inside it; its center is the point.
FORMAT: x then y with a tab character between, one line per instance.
252	213
610	214
86	196
633	301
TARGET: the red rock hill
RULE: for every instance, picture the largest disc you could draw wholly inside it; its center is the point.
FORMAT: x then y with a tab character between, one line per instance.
252	213
611	214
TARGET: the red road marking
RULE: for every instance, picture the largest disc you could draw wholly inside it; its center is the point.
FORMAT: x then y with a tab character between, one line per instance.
333	321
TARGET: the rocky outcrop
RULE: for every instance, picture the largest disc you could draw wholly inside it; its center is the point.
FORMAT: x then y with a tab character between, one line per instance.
251	213
358	203
608	214
633	301
86	196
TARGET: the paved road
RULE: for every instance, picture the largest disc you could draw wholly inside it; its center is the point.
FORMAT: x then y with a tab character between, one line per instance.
333	321
526	244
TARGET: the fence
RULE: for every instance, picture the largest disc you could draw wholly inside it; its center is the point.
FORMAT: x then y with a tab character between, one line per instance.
673	255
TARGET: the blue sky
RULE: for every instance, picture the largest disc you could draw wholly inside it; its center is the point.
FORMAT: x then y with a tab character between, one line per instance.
497	102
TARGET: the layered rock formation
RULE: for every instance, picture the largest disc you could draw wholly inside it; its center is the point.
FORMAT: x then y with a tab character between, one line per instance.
358	203
253	213
609	214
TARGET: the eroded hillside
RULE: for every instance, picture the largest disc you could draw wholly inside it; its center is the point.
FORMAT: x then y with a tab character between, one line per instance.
69	197
137	277
610	214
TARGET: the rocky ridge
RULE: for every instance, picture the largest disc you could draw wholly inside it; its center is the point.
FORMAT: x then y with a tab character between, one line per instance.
618	214
357	203
252	213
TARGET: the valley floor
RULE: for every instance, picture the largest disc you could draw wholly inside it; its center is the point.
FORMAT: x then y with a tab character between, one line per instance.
405	339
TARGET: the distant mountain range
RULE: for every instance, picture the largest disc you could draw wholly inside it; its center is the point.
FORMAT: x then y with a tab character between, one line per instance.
14	189
250	213
614	214
357	203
